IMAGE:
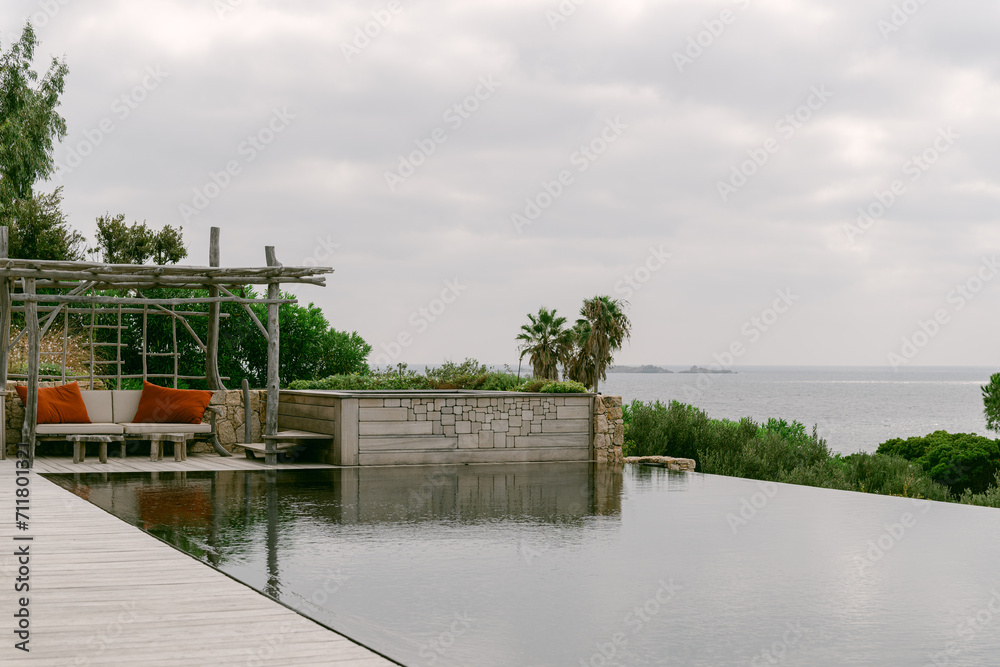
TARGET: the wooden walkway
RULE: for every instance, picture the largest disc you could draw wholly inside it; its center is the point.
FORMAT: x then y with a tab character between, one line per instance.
105	593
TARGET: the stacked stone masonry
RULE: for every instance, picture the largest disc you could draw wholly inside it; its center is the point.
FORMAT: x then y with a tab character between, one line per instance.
609	430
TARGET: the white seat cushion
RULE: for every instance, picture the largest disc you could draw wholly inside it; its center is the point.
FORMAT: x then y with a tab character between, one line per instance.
98	405
150	427
126	403
79	429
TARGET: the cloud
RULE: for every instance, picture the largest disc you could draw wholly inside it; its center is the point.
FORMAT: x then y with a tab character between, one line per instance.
322	179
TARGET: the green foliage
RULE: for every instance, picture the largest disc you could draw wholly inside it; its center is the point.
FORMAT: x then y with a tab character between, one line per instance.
469	374
28	122
991	402
547	343
960	461
988	498
567	387
39	230
118	243
600	332
656	429
776	451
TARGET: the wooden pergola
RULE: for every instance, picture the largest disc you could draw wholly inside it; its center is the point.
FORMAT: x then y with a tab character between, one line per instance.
76	287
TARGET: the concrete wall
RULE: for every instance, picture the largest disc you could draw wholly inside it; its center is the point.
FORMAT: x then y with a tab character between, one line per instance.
413	427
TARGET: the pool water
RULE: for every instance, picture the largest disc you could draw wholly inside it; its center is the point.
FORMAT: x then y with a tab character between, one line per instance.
569	564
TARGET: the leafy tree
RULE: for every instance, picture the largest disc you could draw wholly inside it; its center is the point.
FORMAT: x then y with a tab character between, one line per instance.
119	243
40	230
546	343
28	122
991	402
961	461
600	332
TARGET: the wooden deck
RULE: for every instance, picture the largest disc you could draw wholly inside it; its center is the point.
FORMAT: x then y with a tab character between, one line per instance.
141	463
105	593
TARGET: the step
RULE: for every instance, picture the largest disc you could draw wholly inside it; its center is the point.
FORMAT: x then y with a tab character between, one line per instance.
258	447
291	434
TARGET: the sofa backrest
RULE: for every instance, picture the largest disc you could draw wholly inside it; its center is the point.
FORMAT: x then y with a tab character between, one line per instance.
126	403
99	407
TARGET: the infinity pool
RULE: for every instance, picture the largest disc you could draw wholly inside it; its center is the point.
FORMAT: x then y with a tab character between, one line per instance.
563	564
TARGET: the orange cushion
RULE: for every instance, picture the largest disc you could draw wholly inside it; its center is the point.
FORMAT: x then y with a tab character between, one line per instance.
160	405
58	405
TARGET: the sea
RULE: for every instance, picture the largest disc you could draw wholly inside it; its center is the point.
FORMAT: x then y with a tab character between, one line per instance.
854	408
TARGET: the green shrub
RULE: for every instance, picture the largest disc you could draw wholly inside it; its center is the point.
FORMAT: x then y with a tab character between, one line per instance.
659	430
961	461
566	387
776	451
534	386
988	498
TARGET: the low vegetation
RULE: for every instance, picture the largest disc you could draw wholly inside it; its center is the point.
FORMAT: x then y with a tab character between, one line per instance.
469	374
942	466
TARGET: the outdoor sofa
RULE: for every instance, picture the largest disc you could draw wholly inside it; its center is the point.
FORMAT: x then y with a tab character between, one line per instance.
114	412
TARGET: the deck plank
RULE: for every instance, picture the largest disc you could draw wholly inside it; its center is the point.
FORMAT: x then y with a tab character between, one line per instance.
105	593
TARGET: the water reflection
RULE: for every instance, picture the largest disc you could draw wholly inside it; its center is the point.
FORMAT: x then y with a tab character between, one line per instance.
215	515
549	564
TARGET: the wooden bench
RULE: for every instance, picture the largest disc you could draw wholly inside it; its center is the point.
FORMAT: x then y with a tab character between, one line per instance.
282	442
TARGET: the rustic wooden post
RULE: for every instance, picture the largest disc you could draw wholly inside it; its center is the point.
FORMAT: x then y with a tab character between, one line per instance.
247	411
31	405
4	341
213	378
273	368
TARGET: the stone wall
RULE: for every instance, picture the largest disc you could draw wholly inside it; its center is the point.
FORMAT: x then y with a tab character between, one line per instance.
421	427
609	430
229	425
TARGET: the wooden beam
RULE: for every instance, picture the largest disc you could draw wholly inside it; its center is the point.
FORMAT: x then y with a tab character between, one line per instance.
273	356
54	313
5	308
253	315
114	300
212	340
34	342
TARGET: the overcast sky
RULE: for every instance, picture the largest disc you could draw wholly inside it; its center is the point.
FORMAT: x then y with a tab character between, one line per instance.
501	156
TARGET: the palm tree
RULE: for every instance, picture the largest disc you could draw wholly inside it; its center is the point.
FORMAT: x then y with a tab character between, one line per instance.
600	332
546	343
